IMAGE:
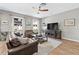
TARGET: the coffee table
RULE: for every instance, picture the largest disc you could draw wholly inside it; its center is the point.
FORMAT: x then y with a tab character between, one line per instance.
41	38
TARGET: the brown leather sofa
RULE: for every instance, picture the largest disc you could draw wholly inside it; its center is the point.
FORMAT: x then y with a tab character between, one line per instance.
24	49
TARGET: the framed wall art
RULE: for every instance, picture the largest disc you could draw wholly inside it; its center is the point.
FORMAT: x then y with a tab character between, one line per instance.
69	22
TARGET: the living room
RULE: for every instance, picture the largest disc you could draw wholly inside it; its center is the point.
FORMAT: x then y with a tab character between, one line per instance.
40	29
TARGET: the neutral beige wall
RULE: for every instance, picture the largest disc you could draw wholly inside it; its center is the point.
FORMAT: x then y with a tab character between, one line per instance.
68	32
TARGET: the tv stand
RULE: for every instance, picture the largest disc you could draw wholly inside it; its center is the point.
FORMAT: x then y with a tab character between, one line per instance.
54	33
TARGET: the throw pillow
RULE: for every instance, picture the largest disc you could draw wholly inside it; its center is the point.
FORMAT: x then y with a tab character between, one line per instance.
15	42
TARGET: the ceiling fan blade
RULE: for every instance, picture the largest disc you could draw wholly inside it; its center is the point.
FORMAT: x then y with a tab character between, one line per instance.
43	9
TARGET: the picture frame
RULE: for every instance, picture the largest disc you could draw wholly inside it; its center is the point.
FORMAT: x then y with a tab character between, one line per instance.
69	22
28	23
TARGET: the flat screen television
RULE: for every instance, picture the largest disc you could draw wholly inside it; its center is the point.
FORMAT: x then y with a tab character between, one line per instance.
52	26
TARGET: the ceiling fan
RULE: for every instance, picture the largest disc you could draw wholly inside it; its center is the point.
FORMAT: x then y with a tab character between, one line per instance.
41	8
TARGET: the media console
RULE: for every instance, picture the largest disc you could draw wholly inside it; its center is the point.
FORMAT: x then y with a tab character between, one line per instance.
55	34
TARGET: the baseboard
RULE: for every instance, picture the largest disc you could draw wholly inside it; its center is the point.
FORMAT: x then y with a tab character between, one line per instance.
70	39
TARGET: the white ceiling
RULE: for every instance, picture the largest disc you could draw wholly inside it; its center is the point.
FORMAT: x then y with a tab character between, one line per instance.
26	8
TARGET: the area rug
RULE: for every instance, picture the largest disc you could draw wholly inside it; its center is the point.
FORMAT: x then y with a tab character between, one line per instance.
46	47
3	48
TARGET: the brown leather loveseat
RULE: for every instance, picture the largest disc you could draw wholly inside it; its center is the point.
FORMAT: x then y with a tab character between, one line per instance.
23	49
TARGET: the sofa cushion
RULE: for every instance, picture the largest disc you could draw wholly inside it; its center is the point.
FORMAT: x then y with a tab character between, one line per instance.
24	40
15	42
